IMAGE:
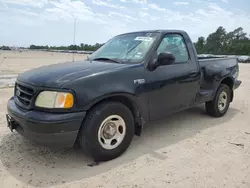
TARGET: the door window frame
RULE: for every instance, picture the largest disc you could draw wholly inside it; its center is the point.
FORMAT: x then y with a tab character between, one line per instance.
185	43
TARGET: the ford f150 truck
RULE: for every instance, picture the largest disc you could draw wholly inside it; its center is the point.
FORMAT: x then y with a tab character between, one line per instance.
102	102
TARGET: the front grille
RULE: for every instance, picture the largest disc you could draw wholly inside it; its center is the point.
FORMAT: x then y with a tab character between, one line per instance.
24	94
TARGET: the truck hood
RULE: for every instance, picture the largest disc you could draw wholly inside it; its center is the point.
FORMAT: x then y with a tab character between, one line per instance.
58	74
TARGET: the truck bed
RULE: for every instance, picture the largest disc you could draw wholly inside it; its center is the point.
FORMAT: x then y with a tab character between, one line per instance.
213	69
215	62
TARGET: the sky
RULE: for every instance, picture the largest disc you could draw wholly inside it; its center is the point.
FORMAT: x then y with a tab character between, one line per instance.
51	22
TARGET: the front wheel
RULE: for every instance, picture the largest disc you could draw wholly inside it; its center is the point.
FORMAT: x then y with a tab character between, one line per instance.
107	131
220	104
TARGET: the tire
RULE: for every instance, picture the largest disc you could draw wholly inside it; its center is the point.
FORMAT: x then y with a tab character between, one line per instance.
213	108
94	144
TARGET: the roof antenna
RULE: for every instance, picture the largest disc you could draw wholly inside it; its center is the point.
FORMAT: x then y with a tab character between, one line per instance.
74	39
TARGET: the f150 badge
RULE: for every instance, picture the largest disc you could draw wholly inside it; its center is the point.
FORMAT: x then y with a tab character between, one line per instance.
139	81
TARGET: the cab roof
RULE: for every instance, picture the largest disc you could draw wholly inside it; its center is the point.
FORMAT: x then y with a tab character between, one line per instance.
162	31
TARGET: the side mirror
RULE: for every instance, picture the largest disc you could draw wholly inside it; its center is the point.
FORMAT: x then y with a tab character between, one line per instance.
165	59
160	60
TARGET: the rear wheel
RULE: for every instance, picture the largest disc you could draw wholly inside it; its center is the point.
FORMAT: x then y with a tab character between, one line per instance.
107	131
220	104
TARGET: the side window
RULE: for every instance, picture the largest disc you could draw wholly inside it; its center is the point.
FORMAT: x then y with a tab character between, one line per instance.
175	44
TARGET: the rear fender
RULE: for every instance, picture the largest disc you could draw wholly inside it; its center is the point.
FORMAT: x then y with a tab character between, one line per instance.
229	81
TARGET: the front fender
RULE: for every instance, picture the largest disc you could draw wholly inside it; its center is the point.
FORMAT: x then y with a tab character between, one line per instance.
138	104
100	98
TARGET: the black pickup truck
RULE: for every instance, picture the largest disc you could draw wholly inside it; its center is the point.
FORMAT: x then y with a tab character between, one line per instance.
100	103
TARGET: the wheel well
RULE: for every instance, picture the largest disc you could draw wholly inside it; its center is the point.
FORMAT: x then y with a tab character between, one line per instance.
229	82
132	107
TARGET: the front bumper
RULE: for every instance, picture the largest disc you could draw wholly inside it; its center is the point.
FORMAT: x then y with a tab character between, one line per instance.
49	129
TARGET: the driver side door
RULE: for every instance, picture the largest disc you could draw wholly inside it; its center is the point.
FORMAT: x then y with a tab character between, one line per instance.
173	87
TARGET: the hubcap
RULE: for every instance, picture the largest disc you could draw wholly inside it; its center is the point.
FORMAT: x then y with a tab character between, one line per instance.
222	103
111	132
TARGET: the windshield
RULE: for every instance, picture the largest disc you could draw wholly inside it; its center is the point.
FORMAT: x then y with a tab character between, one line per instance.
127	48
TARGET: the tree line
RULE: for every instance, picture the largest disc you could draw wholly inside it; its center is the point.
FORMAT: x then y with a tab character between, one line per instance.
220	42
81	47
5	48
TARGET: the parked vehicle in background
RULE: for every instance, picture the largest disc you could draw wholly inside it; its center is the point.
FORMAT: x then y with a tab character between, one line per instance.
102	102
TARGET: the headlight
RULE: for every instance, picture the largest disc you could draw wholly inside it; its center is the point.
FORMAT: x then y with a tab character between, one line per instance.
52	99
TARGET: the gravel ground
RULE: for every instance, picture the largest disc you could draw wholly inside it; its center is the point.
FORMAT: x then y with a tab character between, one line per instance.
187	149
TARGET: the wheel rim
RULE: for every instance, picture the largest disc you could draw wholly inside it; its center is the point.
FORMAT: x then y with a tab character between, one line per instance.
222	103
112	132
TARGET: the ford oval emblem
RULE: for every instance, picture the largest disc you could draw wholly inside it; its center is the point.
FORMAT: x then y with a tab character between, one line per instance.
18	93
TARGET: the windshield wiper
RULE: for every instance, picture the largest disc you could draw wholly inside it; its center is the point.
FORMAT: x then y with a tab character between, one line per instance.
105	59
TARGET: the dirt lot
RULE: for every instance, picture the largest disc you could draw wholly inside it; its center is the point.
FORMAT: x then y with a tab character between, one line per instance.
187	149
16	62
